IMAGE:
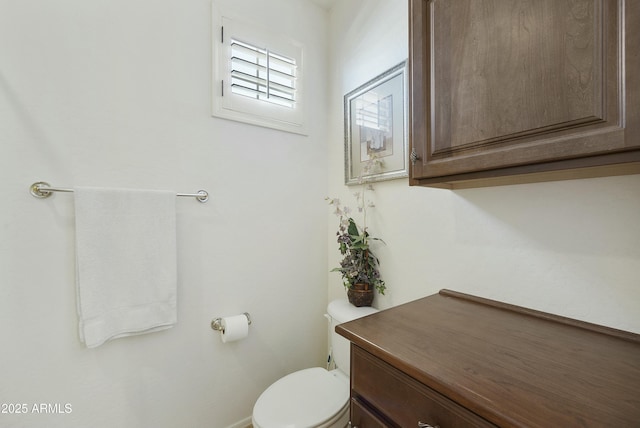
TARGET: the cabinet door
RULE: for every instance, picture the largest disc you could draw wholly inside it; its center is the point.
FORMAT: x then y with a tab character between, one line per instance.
504	87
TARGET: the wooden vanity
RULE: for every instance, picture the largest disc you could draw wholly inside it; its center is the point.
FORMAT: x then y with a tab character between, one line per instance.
455	360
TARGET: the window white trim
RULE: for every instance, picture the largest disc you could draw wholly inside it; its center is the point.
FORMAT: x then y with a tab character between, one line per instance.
262	96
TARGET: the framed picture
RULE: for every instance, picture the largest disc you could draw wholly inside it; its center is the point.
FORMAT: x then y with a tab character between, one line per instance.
375	127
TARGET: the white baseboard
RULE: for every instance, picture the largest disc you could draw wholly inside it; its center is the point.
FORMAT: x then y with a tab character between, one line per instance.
242	424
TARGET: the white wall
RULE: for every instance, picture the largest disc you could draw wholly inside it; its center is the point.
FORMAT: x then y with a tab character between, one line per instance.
570	247
116	93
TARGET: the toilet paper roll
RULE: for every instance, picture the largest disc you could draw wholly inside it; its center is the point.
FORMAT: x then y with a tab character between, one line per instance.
234	328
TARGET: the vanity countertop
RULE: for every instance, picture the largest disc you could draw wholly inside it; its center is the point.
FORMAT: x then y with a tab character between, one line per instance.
510	365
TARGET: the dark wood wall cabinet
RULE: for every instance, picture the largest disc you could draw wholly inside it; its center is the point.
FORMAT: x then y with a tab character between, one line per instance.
508	91
458	361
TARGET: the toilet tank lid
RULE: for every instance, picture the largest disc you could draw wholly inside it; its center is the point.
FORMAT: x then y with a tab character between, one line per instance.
342	311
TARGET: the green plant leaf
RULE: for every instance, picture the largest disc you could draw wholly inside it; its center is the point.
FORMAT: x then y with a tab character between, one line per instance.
352	229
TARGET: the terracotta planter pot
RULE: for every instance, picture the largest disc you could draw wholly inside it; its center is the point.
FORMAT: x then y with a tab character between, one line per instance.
360	295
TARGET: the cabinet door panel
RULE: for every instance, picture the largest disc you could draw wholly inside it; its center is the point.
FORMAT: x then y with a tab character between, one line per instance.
505	83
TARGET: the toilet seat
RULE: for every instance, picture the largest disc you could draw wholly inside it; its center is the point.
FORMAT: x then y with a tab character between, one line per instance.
312	397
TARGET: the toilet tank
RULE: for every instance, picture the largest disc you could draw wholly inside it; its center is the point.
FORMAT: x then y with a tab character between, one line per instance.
342	311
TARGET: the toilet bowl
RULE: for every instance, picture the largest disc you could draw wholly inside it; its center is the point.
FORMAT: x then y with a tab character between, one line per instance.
314	397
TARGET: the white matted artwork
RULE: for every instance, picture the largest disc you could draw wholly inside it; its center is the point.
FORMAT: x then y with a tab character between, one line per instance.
375	123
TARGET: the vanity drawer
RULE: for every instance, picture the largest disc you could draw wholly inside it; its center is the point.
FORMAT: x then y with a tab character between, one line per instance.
402	399
362	417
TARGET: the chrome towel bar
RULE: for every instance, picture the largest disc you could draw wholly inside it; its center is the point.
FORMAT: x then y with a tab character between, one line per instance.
43	189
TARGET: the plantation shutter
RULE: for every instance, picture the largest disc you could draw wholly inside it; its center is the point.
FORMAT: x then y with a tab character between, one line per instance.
262	74
257	75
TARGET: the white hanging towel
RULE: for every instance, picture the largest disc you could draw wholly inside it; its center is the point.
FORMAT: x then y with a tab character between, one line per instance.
126	278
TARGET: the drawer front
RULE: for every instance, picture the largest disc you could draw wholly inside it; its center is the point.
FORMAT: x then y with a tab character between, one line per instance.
361	417
402	399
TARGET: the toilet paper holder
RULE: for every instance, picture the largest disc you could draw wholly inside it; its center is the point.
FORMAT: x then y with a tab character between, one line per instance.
216	324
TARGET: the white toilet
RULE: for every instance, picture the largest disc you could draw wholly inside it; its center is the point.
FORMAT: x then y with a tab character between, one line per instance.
313	397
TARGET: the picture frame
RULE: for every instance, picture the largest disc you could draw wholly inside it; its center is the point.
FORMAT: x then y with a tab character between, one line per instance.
375	126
